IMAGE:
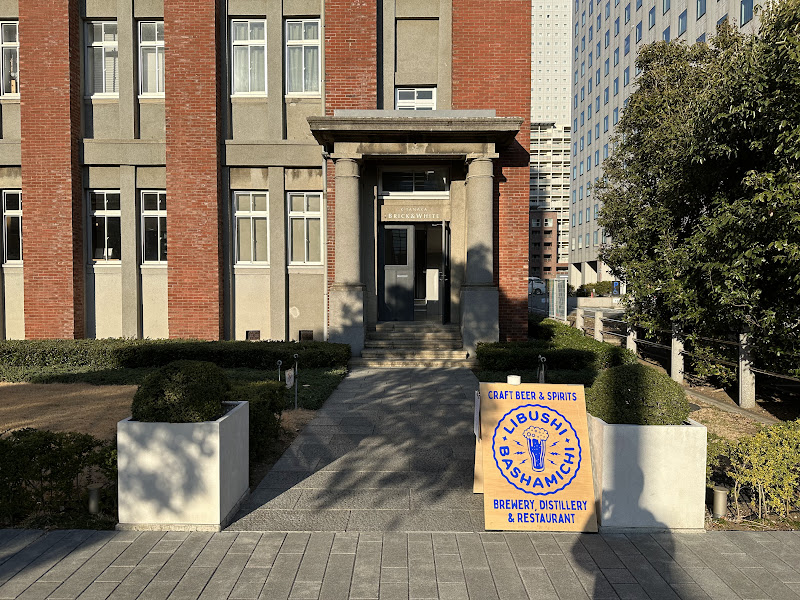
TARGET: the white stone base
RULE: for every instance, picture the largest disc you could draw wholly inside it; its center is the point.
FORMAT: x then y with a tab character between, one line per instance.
649	477
480	316
183	475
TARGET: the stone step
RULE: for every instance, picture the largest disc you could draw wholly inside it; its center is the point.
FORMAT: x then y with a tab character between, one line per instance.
412	354
410	335
416	327
427	344
375	363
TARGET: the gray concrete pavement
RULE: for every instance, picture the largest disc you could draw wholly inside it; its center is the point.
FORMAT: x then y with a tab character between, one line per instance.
374	501
332	565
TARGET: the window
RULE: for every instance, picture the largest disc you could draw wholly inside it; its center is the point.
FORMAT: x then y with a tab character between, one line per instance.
615	119
627	13
724	19
682	23
583	43
701	8
573	219
580	217
12	226
606	68
616	86
154	226
627	45
590	63
665	5
586	237
9	41
596	211
580	242
596	157
651	18
302	56
605	124
746	12
605	152
608	9
587	214
249	56
597	77
616	56
594	238
305	228
701	39
638	4
616	27
102	70
591	32
105	225
251	230
639	32
626	77
597	131
665	35
607	38
605	96
589	164
151	58
415	98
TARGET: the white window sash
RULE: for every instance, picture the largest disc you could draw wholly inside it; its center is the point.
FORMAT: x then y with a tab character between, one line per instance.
252	217
306	217
246	71
159	214
105	47
156	77
303	68
9	54
8	214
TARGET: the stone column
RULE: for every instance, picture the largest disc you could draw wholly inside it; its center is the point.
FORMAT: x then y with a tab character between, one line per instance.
579	318
131	281
747	379
598	325
630	343
479	297
346	312
676	355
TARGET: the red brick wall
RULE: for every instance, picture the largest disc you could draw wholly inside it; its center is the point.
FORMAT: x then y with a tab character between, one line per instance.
351	57
51	174
351	78
194	134
492	70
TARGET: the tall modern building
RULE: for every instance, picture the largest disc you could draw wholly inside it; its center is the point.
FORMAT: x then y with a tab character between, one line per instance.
551	63
264	169
606	37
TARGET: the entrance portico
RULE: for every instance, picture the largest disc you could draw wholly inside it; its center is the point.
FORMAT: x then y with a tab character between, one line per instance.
365	145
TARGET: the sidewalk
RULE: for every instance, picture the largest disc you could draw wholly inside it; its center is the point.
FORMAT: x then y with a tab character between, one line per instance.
374	500
328	565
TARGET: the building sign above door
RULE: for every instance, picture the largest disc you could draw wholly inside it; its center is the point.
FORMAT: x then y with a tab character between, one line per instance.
415	211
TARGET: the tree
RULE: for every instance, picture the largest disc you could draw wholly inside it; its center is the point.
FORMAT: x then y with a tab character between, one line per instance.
701	196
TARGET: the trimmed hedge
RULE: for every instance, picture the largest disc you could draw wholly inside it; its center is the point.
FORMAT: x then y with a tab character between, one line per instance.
183	391
267	400
47	472
126	353
638	395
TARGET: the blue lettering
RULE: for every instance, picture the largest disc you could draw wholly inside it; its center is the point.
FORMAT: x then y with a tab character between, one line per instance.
515	472
525	479
551	480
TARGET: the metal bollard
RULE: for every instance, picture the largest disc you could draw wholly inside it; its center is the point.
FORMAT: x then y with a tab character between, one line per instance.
720	510
94	498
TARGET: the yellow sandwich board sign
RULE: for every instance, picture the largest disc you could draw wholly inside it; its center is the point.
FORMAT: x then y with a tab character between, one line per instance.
537	469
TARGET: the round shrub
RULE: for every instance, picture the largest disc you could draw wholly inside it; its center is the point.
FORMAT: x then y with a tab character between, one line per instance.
638	395
184	391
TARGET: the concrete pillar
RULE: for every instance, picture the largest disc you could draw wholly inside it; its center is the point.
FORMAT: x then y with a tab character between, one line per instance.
579	312
480	249
278	274
128	82
676	355
480	298
747	379
346	298
630	343
598	325
131	280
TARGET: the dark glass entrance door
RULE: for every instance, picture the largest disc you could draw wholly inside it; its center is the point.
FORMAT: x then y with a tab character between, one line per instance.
398	273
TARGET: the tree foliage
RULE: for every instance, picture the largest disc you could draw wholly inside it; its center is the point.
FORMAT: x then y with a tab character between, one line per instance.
701	196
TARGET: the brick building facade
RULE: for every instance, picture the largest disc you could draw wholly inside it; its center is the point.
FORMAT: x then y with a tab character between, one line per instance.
227	169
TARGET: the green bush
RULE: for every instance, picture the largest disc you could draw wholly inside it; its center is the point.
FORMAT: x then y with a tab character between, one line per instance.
638	395
267	400
183	391
47	472
767	466
124	353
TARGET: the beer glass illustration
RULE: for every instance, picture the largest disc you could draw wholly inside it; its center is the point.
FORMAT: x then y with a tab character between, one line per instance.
537	446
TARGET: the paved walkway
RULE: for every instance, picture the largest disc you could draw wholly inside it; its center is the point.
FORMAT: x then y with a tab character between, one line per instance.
374	501
391	450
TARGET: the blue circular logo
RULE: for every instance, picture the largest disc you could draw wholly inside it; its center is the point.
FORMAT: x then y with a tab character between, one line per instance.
536	449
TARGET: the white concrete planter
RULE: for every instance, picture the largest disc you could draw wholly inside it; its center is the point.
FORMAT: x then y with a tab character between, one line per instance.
183	475
649	476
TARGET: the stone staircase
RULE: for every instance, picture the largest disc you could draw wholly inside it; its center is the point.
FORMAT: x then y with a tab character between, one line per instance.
414	344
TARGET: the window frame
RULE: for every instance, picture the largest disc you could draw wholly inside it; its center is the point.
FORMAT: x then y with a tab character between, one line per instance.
88	46
107	214
306	215
151	44
251	215
158	213
4	45
416	104
249	43
11	213
302	44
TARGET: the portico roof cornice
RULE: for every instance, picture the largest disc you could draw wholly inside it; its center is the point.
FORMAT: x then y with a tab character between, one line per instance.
436	126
